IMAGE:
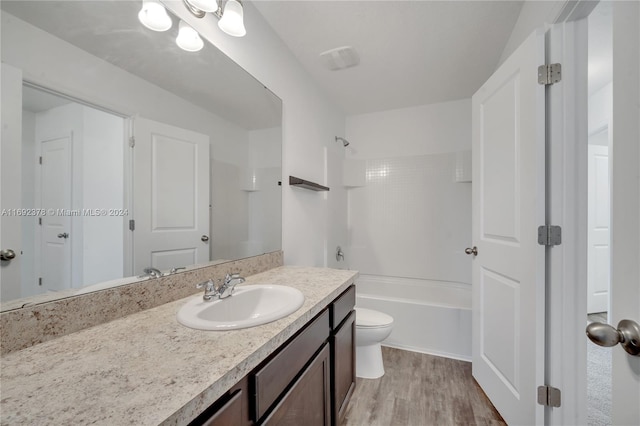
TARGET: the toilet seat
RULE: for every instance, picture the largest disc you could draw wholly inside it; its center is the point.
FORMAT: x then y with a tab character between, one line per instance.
368	318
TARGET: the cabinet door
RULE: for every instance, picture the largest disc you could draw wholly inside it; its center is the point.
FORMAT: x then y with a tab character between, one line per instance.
229	414
271	380
308	401
343	366
231	409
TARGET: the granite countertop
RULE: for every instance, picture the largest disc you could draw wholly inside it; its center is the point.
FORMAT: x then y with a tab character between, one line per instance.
146	368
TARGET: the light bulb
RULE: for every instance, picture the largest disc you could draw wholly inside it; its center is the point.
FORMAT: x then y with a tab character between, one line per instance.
188	39
154	16
205	5
232	19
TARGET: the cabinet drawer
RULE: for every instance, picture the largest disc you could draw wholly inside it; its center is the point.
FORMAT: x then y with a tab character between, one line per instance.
272	379
342	306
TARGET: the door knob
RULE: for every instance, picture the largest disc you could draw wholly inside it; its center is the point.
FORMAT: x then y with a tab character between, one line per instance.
7	254
63	235
204	238
473	251
627	334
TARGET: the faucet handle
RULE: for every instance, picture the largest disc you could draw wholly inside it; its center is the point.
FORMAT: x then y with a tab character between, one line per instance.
151	272
207	285
176	269
233	276
210	290
228	287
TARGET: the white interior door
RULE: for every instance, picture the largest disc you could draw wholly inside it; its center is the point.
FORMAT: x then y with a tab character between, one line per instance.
625	202
508	206
55	197
598	251
11	180
170	196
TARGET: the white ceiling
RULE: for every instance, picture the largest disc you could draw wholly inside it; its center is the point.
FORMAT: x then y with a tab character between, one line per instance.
411	52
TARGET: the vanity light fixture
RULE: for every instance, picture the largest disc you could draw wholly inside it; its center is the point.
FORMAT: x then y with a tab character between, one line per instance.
154	16
188	39
230	14
205	5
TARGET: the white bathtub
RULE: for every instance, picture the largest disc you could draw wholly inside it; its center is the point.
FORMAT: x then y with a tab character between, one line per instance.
431	317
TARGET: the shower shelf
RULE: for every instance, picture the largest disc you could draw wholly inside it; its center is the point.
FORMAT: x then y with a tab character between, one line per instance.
294	181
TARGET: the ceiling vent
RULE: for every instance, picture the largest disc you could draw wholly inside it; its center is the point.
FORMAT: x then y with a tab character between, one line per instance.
340	58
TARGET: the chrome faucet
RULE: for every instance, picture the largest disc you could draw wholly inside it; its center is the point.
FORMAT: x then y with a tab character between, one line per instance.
210	290
175	270
150	273
229	285
223	291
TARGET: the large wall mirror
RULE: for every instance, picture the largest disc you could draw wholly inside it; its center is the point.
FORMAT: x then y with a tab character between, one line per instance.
122	152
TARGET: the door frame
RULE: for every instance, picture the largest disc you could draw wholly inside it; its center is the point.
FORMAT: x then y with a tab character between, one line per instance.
567	116
567	132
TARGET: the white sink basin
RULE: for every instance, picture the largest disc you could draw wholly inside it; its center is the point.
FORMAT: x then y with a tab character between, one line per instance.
249	306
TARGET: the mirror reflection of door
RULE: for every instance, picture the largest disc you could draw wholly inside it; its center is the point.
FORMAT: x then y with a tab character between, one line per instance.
53	190
72	170
170	196
599	218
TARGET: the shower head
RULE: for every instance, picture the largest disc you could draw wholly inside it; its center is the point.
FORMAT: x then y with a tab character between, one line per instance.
343	140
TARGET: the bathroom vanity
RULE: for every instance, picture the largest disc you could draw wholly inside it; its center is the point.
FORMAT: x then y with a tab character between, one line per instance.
147	369
307	381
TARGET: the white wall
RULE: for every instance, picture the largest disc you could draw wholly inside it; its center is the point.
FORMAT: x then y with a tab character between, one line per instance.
102	182
411	219
313	223
600	108
261	182
534	14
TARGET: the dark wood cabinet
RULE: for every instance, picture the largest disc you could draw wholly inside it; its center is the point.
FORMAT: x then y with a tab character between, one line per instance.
343	352
308	381
272	378
307	402
230	409
343	359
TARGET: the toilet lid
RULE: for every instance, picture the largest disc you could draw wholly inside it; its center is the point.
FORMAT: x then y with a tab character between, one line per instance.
370	318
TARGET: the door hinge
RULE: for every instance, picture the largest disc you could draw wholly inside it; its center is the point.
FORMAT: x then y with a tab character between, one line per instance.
132	225
549	74
40	160
132	141
549	235
549	396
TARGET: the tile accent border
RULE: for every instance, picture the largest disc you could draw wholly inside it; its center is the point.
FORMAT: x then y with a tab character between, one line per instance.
25	327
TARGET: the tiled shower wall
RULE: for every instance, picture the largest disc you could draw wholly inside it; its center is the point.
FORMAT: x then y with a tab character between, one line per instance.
412	216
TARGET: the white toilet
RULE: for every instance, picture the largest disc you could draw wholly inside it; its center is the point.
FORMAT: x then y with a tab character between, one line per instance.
372	327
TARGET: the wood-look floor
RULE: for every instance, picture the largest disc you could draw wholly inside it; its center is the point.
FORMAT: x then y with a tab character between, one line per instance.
420	390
